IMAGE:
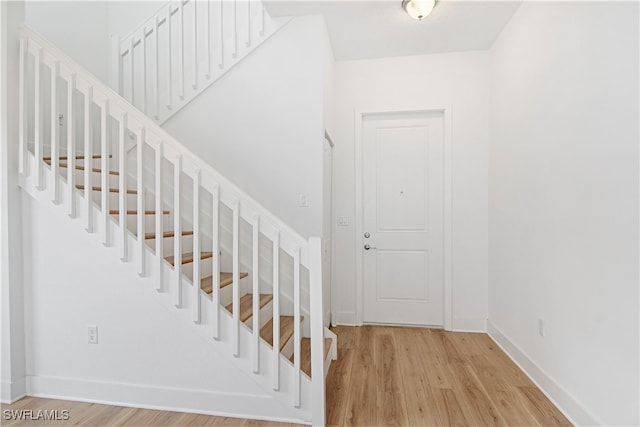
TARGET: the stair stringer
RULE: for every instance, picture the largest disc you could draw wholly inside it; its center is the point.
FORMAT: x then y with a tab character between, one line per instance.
262	403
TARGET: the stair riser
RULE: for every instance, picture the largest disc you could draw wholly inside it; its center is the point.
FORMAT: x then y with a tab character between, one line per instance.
288	349
149	223
206	269
266	313
226	293
96	177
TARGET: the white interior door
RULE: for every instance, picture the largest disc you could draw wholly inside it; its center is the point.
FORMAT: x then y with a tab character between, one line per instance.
403	219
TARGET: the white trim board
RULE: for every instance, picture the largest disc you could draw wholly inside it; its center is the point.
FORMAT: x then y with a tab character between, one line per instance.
359	114
564	401
12	391
262	407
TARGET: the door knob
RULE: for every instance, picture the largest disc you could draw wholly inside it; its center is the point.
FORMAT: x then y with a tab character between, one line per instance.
368	246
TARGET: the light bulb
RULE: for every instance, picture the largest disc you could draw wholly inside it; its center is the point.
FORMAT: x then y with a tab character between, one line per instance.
418	9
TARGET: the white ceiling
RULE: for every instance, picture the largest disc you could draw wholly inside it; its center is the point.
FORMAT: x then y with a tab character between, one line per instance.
364	29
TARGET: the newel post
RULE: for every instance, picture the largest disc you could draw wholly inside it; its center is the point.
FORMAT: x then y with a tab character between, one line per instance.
317	332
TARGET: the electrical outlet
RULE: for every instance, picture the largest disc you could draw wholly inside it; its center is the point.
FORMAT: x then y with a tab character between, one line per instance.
541	327
92	331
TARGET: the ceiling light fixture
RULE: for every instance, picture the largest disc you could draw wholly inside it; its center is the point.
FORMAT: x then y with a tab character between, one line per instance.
418	9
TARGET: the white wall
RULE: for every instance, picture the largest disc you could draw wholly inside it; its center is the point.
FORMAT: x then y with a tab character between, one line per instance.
78	28
563	202
261	125
149	354
12	350
458	80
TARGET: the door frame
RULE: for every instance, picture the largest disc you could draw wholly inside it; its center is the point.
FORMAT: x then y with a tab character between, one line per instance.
360	114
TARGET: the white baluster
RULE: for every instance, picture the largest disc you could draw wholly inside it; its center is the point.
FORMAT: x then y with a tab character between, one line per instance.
234	50
248	42
215	295
115	70
157	68
181	49
236	278
296	328
71	147
132	79
37	122
169	61
88	156
195	44
122	183
141	202
55	135
177	229
208	74
143	42
276	312
262	12
159	219
256	295
197	276
104	133
120	71
22	105
221	26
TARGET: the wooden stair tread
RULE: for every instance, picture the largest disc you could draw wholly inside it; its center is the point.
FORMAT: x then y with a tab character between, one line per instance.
226	279
78	157
246	305
111	190
305	354
135	212
286	331
188	257
81	168
167	234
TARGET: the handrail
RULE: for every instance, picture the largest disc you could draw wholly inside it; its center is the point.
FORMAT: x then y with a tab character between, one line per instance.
289	238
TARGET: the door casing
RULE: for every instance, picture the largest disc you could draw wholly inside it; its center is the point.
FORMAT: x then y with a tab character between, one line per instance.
360	114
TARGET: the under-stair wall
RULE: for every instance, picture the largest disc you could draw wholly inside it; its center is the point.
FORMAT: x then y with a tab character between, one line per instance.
148	353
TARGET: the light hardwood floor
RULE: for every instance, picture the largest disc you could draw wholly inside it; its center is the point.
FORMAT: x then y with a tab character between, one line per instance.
392	376
384	376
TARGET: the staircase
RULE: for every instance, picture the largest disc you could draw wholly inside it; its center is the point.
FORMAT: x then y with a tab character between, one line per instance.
245	277
184	48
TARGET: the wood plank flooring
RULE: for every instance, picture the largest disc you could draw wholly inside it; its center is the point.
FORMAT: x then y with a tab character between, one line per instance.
96	415
384	376
392	376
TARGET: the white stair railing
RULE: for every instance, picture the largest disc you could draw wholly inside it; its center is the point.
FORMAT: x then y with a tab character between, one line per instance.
116	112
183	48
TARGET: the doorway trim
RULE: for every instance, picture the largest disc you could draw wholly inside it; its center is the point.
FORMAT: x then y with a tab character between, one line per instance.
360	114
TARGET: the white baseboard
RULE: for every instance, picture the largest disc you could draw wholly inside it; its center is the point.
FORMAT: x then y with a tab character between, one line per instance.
261	407
566	403
469	325
344	318
11	391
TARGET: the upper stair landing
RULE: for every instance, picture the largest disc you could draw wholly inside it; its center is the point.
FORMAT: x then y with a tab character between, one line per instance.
184	48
